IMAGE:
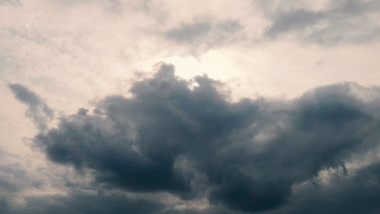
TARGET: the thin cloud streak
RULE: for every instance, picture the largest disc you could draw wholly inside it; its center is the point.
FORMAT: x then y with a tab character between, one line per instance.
38	111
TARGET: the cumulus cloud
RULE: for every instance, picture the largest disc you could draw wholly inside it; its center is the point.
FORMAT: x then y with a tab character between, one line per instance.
247	156
38	110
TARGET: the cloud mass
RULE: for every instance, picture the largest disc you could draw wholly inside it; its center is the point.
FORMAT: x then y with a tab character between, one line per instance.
271	107
247	156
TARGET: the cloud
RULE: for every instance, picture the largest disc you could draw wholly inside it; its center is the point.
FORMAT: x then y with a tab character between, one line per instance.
296	20
245	156
14	3
3	206
38	111
204	34
353	194
185	138
189	33
7	183
342	21
31	35
81	203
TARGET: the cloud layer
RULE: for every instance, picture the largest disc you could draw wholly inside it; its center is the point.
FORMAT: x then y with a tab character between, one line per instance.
186	139
166	142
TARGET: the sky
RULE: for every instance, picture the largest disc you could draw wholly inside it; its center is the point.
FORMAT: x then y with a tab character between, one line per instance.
189	107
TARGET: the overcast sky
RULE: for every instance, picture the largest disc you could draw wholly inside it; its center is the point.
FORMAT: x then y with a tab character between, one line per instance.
189	107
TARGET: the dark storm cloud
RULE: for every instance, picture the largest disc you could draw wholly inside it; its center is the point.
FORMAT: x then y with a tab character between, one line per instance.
38	111
243	156
356	194
343	21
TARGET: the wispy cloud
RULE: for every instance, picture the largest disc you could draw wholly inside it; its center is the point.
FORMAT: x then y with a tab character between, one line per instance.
38	110
205	34
341	22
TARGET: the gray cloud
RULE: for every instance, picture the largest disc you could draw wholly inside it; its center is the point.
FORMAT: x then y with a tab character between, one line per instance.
38	111
355	194
80	203
3	206
296	20
244	156
204	34
7	183
189	33
343	21
31	35
15	3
